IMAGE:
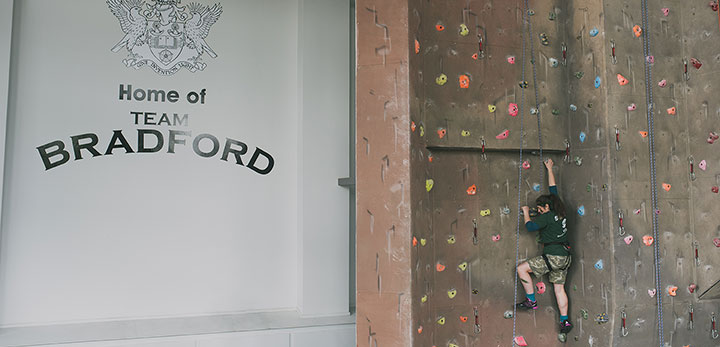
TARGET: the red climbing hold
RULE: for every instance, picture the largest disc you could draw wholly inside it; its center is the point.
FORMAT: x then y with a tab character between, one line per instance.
715	189
714	5
648	240
513	109
440	267
622	80
526	164
503	135
540	286
696	63
520	341
716	241
692	287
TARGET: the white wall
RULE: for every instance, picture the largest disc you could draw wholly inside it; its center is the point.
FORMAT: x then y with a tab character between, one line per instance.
157	235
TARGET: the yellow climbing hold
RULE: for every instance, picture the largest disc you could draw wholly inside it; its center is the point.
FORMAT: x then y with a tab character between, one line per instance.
441	321
492	108
423	242
451	240
465	133
429	183
422	131
423	299
450	344
441	80
464	31
463	266
485	213
452	293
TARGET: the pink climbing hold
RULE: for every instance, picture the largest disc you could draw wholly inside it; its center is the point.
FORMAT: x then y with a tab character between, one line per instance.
665	11
692	287
520	341
702	165
650	59
637	211
632	107
652	292
496	238
628	239
540	286
503	135
716	241
511	60
662	83
513	109
712	137
526	164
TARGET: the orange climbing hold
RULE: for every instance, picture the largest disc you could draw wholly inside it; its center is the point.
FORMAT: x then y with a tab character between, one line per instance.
441	133
440	267
463	319
666	186
439	27
643	133
622	80
430	158
672	290
671	110
413	126
464	82
472	190
475	56
415	241
648	240
637	31
420	329
417	46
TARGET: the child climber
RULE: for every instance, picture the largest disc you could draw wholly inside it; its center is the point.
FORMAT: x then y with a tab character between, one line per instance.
555	258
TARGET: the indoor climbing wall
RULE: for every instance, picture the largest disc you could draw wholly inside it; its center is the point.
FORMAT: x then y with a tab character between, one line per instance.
448	94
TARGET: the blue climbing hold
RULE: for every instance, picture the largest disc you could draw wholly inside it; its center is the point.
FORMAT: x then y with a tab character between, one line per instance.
536	187
597	82
581	210
582	137
594	32
573	108
599	264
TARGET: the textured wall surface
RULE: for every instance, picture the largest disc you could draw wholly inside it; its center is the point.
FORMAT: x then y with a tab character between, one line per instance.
462	280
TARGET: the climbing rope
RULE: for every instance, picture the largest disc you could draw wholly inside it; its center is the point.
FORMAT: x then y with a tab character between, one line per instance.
520	176
653	181
535	86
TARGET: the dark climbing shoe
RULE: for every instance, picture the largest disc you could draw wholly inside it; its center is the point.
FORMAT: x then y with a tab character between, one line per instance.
528	305
565	326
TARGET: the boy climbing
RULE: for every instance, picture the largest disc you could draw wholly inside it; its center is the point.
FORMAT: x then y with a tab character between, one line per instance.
555	258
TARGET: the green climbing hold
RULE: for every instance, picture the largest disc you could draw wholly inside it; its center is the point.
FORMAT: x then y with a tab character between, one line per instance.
508	314
552	15
531	13
562	338
555	112
579	74
584	314
588	187
589	104
575	288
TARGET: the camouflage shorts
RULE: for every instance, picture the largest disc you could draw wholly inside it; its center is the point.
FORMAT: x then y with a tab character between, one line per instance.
559	263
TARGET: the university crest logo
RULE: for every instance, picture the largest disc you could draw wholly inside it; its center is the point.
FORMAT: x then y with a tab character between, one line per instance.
164	35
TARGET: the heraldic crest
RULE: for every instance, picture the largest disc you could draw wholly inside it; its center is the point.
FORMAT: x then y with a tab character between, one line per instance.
164	35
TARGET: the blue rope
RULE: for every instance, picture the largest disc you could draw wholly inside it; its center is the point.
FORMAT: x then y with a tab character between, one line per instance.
535	86
653	179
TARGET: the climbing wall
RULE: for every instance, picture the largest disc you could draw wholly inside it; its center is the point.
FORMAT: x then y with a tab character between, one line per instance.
450	91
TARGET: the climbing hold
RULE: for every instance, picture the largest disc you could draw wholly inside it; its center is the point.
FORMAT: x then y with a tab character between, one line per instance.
672	290
463	266
475	56
422	131
424	298
637	31
692	287
505	210
581	210
579	74
526	164
464	31
441	320
423	242
441	133
696	63
451	293
665	11
672	110
599	264
451	240
520	341
430	158
523	84
657	212
712	137
594	32
439	27
637	211
601	318
666	186
597	82
662	83
544	39
582	137
702	165
632	107
652	292
485	212
475	291
531	12
644	134
715	189
650	59
513	109
584	314
413	126
463	319
554	62
417	46
714	5
429	183
578	161
464	81
536	187
552	15
439	267
496	238
622	80
540	286
503	135
534	111
441	79
562	337
492	108
415	241
508	314
648	240
716	242
573	108
465	133
472	190
511	59
420	329
628	239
